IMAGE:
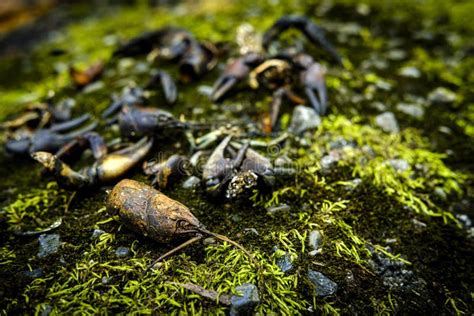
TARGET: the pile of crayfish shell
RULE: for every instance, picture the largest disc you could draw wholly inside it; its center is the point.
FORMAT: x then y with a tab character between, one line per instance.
233	167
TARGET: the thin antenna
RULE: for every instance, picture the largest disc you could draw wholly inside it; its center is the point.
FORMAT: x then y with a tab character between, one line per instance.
226	239
176	249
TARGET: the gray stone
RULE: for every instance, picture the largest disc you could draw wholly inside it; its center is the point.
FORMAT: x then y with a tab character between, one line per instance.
397	54
278	208
410	72
48	244
314	242
399	164
442	95
106	280
394	274
284	262
47	309
283	161
414	110
251	230
379	106
96	233
93	87
191	182
245	302
327	161
341	143
122	252
330	160
353	184
387	122
439	192
35	273
465	220
205	90
303	119
324	285
383	85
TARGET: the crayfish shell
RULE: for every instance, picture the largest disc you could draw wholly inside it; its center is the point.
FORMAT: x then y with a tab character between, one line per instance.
149	212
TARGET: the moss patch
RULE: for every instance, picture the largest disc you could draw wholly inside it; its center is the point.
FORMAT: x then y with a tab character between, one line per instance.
387	199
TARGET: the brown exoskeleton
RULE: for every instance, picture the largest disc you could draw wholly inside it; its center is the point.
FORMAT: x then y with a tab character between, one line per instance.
149	212
106	168
168	171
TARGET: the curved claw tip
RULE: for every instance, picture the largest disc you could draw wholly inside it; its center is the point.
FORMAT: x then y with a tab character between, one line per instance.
48	160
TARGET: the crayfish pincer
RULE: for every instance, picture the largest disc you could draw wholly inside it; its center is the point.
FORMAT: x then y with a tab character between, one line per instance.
149	212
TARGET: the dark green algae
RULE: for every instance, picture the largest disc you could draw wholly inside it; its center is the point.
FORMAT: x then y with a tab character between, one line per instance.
440	253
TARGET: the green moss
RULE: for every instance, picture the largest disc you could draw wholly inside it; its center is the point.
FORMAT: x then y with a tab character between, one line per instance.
371	161
36	208
355	220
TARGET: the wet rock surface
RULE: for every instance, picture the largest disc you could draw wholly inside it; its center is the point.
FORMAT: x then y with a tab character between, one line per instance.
414	110
400	165
48	244
323	285
314	242
387	122
441	95
245	301
283	259
35	273
304	118
97	233
122	252
390	64
395	274
191	182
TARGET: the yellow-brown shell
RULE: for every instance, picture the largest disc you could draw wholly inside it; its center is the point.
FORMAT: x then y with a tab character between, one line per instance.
149	212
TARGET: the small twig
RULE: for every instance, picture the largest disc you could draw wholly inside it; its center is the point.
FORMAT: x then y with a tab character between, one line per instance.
213	295
69	201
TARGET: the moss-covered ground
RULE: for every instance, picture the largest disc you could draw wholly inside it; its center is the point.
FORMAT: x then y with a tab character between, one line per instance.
406	217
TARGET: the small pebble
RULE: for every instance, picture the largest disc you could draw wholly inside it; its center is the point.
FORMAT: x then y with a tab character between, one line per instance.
93	87
283	260
353	184
97	232
410	72
304	118
330	160
387	122
122	252
245	302
106	280
205	90
418	223
47	309
35	273
399	164
48	244
464	219
442	95
439	192
413	110
397	54
324	285
279	208
191	182
251	230
283	161
314	242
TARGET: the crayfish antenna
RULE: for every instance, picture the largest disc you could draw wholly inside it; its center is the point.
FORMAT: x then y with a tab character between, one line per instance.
230	241
174	250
